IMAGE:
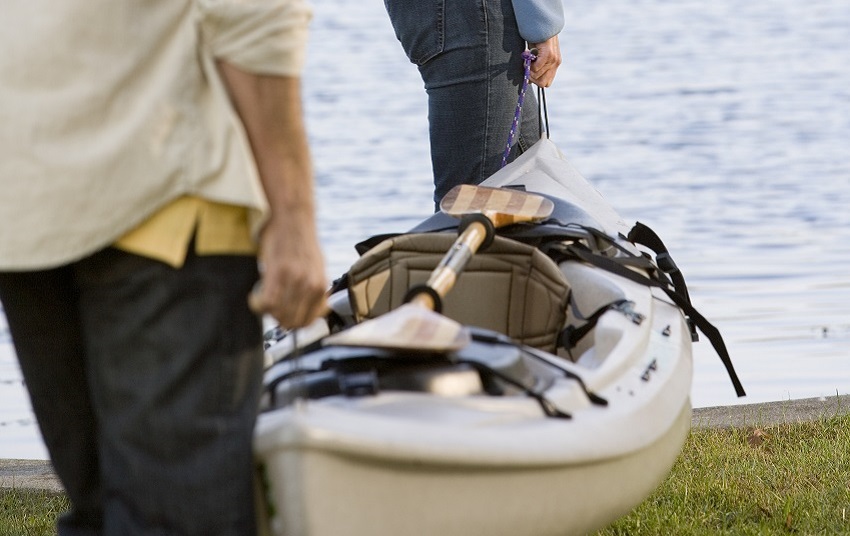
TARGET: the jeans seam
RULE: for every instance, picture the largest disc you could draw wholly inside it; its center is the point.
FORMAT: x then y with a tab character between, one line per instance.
487	117
441	26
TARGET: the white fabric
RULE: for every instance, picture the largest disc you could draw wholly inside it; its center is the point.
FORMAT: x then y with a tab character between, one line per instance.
111	109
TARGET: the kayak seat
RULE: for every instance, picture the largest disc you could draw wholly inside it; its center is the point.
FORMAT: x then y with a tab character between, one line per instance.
511	287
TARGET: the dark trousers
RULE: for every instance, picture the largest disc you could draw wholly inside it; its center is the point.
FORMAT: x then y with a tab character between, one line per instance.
144	380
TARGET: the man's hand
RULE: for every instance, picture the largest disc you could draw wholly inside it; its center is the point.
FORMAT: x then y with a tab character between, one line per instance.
548	60
293	286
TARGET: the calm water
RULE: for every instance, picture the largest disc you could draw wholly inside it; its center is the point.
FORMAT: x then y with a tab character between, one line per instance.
722	125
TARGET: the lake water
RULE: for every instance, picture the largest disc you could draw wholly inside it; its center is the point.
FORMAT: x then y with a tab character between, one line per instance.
723	125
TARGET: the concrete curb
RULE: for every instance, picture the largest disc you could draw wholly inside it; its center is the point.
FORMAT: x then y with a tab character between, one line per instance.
771	413
39	475
29	474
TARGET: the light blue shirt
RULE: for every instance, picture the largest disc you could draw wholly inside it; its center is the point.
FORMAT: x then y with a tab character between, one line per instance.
538	20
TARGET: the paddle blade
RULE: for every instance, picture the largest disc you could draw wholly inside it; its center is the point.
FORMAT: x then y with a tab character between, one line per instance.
503	206
409	327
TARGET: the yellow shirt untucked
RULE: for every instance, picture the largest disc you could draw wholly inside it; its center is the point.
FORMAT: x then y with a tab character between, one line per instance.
218	229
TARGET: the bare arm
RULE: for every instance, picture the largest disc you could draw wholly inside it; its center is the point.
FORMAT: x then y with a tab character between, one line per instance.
293	280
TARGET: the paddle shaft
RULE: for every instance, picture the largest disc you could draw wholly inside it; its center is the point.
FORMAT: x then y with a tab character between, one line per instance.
445	275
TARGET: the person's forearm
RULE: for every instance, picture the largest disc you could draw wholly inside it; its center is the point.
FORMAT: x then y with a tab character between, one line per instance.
270	109
294	284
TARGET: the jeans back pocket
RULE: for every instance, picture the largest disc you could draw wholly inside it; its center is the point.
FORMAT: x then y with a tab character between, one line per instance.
419	26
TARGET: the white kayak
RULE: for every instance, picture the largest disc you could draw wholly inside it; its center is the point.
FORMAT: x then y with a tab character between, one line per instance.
489	436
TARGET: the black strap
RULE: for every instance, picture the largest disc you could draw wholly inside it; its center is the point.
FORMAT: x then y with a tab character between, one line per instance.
542	113
583	253
641	234
372	241
549	409
571	335
493	337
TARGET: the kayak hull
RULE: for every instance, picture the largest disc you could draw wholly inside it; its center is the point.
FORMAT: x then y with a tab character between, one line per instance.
322	492
450	460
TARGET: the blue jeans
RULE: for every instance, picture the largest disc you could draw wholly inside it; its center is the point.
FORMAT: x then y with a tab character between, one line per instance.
145	382
469	54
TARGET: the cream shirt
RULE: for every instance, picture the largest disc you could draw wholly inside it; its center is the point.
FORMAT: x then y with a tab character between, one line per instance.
111	110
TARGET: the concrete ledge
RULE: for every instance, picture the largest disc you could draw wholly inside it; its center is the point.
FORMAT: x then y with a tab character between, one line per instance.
29	474
771	413
39	475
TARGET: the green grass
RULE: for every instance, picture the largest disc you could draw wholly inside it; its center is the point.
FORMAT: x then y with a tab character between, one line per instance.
787	479
30	512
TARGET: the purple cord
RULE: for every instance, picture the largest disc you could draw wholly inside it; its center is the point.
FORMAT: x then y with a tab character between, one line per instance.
527	57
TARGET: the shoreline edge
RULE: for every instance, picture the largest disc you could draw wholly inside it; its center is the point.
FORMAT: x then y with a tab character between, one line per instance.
39	475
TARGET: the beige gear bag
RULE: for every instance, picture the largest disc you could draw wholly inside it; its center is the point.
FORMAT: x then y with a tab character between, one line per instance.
511	287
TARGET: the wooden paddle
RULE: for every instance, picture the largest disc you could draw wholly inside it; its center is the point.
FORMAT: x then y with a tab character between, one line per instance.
500	206
415	325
